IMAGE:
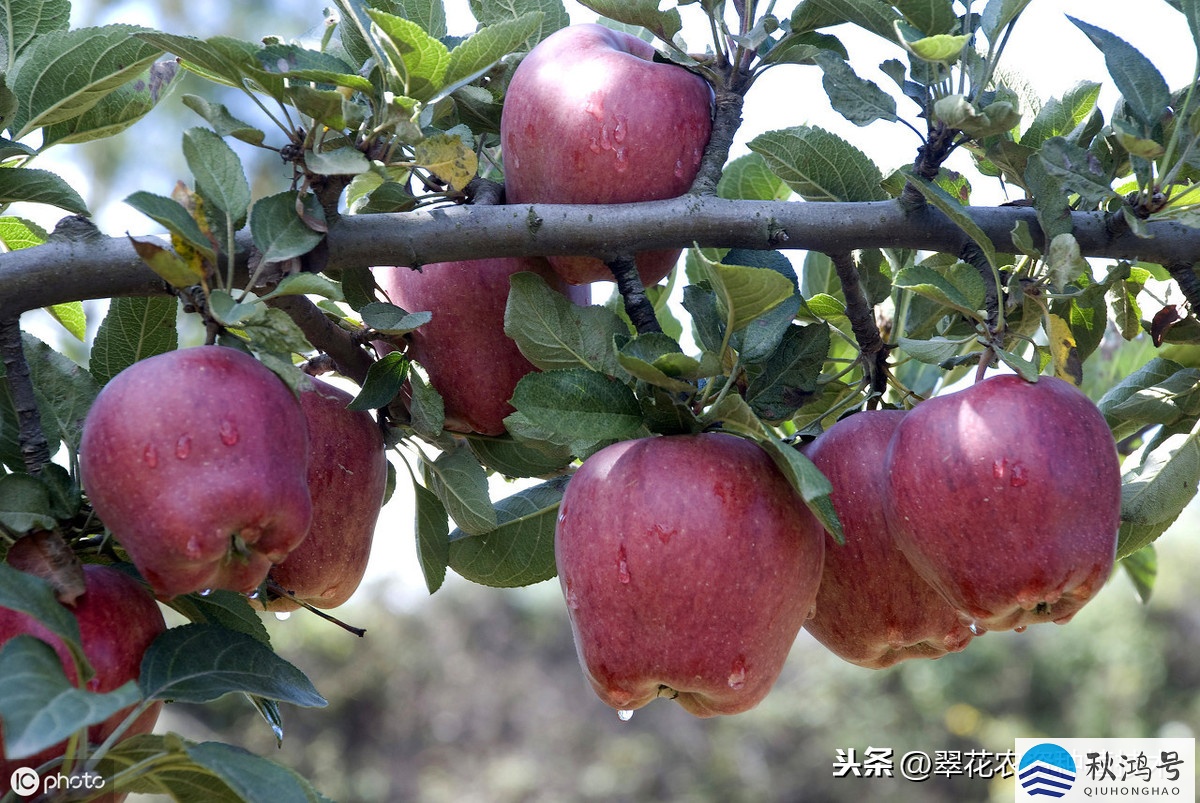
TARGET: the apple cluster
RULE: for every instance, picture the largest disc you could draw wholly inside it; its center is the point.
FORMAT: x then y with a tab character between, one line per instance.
211	473
589	118
991	508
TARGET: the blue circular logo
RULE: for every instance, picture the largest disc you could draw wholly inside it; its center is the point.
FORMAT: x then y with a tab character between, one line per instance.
1046	770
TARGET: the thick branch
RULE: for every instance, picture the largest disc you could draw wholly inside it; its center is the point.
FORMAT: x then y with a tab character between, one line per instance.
727	119
35	451
1184	274
62	271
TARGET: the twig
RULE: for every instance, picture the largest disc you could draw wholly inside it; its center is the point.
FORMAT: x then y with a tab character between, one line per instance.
35	450
727	118
873	351
349	357
637	304
1184	274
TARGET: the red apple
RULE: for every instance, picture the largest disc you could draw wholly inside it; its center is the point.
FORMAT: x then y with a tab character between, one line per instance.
118	620
469	359
873	609
347	473
1006	497
688	564
590	118
196	460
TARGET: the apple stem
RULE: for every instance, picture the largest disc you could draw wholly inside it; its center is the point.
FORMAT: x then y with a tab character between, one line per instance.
35	451
638	306
873	352
727	119
279	591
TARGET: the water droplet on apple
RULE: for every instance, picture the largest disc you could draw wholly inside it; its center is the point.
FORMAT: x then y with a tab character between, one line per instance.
605	138
1020	628
619	130
150	456
974	628
678	168
183	447
283	615
204	592
737	674
624	716
622	159
999	467
516	161
1017	478
572	597
622	566
594	145
229	432
594	109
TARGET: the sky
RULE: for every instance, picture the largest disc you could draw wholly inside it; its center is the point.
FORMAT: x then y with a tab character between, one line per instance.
1045	48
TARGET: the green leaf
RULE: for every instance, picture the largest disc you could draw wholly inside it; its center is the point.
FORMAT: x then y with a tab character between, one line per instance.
962	290
941	49
1077	170
520	551
24	20
761	337
220	179
433	537
306	284
578	405
62	74
748	178
809	482
554	14
420	59
221	59
935	350
489	44
1156	491
278	230
1142	570
222	122
1141	84
929	16
745	293
297	64
998	14
859	101
31	185
552	332
871	15
1160	393
40	707
344	161
225	608
511	457
17	233
65	391
172	216
33	596
72	317
1060	117
201	663
392	320
252	777
427	410
134	328
643	13
785	381
819	165
384	380
460	482
117	110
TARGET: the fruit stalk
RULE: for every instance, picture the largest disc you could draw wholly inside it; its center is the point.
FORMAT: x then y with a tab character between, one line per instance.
629	284
873	351
35	451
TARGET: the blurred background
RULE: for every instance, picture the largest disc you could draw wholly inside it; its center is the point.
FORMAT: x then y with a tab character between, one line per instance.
475	694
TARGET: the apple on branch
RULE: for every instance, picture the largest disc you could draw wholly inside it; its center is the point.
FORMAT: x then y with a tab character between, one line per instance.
347	475
873	609
1006	497
688	564
118	619
591	118
196	460
471	362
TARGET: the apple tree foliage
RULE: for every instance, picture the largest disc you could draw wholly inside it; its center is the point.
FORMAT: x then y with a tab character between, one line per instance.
387	128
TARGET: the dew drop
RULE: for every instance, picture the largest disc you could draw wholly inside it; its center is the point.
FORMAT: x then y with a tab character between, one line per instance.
229	432
605	138
150	456
999	468
183	447
594	145
516	161
1017	478
737	674
204	592
594	109
974	628
678	168
283	616
619	130
1020	628
278	731
622	566
622	159
624	716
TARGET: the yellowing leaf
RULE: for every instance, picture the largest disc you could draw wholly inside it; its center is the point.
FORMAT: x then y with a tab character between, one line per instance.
1063	353
447	157
166	263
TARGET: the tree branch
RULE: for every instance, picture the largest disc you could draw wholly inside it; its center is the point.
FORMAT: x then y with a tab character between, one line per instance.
633	292
1184	274
348	356
872	350
35	451
64	271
